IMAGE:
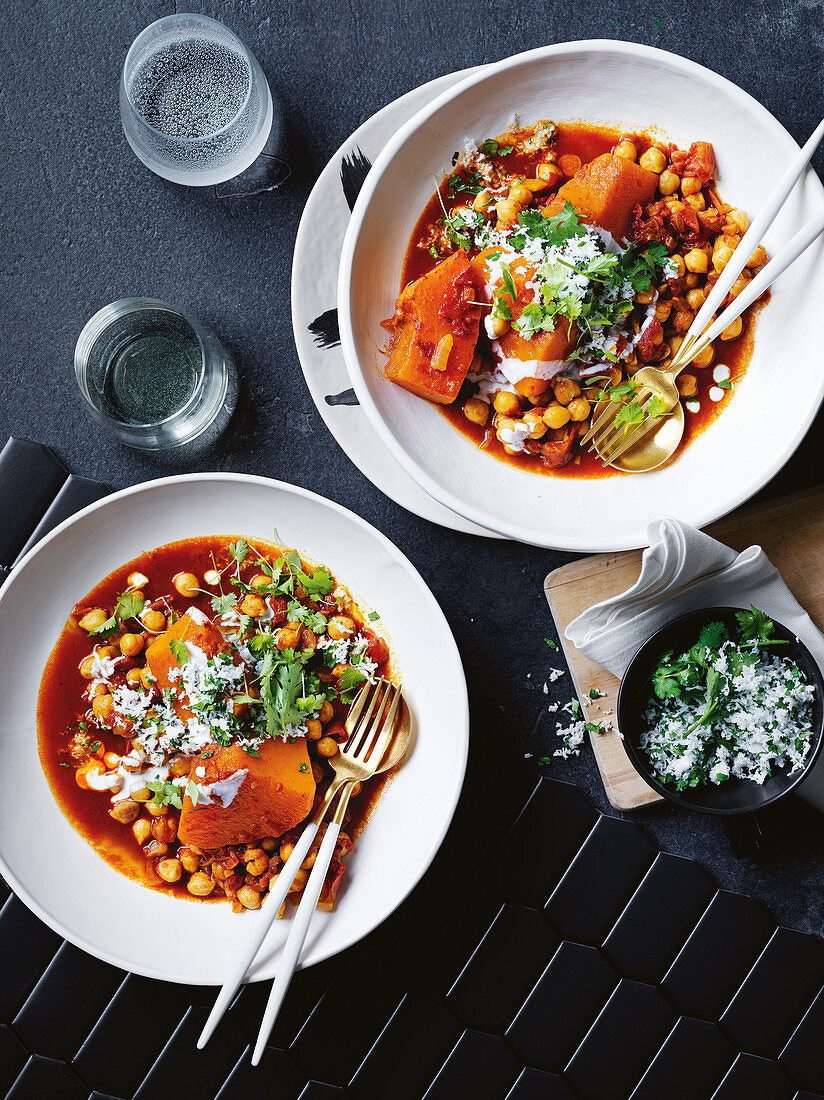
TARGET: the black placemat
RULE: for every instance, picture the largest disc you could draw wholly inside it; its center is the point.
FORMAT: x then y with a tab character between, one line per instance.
568	959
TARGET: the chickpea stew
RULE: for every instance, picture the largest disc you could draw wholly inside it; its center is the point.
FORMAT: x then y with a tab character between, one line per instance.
548	268
191	706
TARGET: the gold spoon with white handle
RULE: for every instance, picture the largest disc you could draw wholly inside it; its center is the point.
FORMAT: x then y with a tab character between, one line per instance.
656	437
351	759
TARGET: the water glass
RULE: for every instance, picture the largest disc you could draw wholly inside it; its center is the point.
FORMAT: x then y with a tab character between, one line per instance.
195	105
153	376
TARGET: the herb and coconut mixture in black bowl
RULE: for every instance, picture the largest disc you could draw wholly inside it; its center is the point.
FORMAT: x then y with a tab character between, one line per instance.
721	710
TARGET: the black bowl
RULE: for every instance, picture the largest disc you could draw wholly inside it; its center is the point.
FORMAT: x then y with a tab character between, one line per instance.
734	796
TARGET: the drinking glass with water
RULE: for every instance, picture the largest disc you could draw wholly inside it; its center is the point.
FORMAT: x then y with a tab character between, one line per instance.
195	105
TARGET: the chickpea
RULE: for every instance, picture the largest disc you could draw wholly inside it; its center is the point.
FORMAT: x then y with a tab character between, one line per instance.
696	260
268	843
102	706
695	298
578	409
190	860
691	280
326	712
170	870
134	676
141	830
248	898
186	584
156	849
318	774
499	326
356	789
260	580
556	416
314	729
155	621
680	266
674	344
340	626
520	193
654	160
286	849
154	809
180	767
288	636
733	329
644	297
124	811
507	211
566	390
98	689
257	865
200	885
507	404
549	173
86	667
697	202
534	420
722	254
739	285
326	747
668	182
705	358
476	411
93	619
252	605
758	258
143	794
690	185
482	201
137	580
131	644
662	311
110	759
687	385
311	858
626	150
683	319
739	219
300	881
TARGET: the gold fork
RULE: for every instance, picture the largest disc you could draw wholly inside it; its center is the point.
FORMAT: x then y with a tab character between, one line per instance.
371	725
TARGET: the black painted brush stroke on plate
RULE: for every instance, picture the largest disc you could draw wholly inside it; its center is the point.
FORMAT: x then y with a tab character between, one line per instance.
325	329
345	397
354	168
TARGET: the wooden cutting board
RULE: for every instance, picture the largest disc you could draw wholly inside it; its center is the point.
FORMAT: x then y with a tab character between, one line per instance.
791	531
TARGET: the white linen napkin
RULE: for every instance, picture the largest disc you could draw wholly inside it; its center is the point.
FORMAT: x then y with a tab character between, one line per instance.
683	570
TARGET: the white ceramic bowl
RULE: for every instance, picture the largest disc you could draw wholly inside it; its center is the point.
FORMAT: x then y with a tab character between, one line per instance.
53	869
634	87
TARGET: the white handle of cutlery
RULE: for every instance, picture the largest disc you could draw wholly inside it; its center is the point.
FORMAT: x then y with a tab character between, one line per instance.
752	238
265	919
294	945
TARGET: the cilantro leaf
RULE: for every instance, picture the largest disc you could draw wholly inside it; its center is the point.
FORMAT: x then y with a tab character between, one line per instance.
713	700
713	635
552	644
468	183
129	605
757	628
492	148
349	680
166	793
105	629
240	549
222	605
179	651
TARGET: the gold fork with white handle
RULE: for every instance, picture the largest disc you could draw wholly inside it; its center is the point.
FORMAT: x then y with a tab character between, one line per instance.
655	394
371	723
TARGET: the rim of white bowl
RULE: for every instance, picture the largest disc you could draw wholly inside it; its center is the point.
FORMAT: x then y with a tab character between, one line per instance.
513	530
77	938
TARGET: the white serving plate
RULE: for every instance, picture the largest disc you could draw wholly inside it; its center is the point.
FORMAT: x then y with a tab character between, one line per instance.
60	876
634	87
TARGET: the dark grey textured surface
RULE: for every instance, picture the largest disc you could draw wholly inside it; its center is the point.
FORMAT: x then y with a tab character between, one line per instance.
85	223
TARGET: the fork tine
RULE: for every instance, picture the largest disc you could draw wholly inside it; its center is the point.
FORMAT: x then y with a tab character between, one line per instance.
634	437
605	445
379	748
363	721
598	443
602	420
